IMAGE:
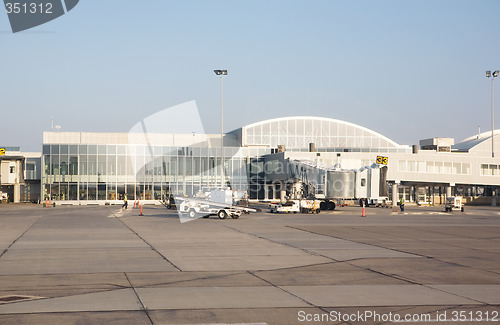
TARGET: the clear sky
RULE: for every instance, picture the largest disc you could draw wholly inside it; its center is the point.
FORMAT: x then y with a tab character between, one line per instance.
407	69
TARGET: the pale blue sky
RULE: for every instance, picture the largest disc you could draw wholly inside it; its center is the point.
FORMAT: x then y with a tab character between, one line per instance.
407	69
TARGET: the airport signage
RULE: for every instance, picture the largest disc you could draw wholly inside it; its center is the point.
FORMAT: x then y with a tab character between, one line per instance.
381	160
2	151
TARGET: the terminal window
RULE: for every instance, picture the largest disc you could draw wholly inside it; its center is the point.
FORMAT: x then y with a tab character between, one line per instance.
434	167
490	170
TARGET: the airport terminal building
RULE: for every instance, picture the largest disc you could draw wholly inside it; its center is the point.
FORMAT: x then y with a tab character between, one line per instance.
20	175
99	168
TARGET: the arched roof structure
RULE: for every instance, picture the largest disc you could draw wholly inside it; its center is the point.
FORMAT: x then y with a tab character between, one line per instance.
479	144
298	131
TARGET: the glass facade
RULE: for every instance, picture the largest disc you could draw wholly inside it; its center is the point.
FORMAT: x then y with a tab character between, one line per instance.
327	135
106	172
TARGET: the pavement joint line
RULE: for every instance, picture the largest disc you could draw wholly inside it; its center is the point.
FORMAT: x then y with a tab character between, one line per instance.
432	257
461	235
185	281
352	241
366	268
287	245
401	251
299	248
310	252
151	246
352	227
454	294
139	299
5	250
323	308
287	292
403	278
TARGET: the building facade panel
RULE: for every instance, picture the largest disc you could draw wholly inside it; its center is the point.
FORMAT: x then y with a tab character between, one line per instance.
90	167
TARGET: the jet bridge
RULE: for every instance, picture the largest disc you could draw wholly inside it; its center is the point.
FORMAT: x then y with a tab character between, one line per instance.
304	179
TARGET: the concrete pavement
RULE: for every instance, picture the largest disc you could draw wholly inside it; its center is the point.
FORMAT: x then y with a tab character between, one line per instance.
100	265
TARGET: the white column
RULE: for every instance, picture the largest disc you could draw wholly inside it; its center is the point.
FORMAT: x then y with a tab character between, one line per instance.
283	192
395	194
17	193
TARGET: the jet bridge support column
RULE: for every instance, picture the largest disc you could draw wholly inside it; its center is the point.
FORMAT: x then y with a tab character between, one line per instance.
282	191
17	193
448	191
395	194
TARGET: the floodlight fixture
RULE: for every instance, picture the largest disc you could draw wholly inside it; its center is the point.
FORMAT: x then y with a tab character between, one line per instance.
488	74
221	72
495	74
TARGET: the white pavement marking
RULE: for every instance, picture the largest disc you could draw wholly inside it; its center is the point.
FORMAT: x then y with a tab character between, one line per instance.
217	297
122	299
117	214
375	295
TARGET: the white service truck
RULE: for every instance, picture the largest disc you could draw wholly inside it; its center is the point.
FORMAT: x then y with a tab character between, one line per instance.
217	202
303	206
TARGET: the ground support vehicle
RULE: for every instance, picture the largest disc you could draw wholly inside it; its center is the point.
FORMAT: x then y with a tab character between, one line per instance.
303	206
289	206
169	203
453	203
313	206
196	208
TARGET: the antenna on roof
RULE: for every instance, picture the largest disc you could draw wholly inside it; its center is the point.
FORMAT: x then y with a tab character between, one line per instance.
478	131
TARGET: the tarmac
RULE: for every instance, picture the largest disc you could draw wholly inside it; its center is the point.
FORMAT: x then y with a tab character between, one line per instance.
106	265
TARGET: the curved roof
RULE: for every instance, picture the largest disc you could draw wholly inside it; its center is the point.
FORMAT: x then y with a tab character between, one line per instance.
475	140
299	131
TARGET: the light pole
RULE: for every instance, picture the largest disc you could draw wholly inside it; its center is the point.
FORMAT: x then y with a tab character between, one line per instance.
492	76
221	74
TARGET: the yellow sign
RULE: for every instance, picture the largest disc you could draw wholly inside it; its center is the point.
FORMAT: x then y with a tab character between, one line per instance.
382	160
2	151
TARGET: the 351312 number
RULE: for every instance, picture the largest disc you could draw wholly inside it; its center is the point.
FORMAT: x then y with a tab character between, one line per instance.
28	8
